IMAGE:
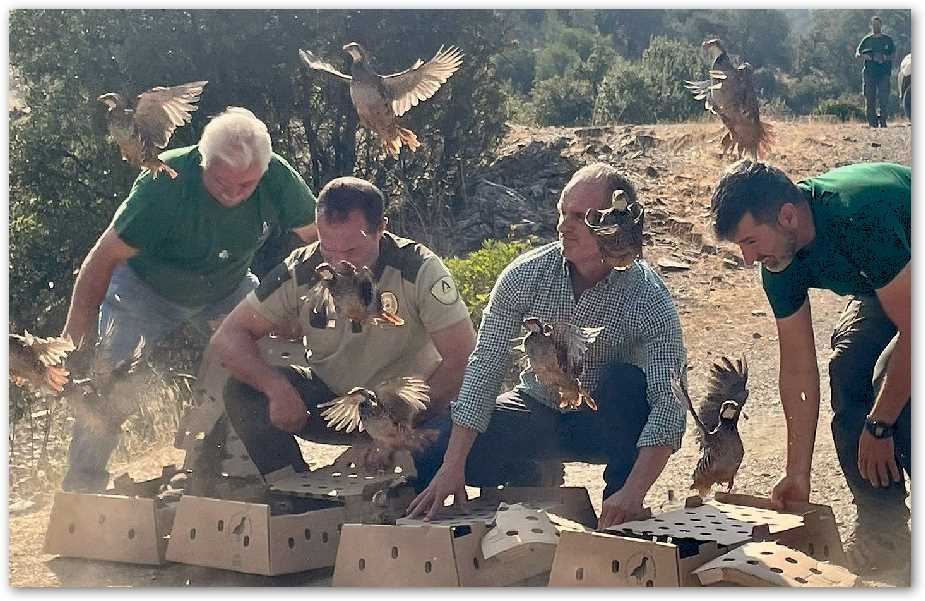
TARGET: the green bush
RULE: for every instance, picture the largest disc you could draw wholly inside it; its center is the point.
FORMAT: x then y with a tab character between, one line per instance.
651	89
476	273
624	96
516	65
554	60
845	108
804	93
563	100
665	65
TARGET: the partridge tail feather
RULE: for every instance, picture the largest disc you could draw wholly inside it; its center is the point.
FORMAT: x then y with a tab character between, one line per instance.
409	138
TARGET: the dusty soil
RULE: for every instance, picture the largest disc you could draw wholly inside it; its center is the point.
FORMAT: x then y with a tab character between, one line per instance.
723	311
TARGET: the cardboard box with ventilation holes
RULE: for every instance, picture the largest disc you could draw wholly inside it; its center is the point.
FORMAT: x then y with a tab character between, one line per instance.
666	549
109	527
249	538
479	547
772	564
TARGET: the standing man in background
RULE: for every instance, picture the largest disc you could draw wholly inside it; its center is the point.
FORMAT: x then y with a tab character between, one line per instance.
877	49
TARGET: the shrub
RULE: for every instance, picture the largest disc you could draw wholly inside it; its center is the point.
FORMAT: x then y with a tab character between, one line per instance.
563	100
845	108
476	273
624	96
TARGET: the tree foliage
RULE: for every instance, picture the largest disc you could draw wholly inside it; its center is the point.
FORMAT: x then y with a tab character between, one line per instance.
66	178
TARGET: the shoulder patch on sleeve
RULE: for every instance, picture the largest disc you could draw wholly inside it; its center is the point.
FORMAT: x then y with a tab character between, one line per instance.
445	291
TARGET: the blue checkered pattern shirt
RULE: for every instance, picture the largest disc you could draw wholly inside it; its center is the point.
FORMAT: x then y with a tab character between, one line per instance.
641	328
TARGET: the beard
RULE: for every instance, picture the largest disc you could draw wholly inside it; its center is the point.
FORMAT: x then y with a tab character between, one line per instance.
780	263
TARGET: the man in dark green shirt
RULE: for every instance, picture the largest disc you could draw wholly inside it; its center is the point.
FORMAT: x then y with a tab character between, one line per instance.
849	231
877	51
178	251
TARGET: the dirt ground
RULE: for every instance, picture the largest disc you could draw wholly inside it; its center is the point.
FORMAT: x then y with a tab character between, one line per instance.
723	311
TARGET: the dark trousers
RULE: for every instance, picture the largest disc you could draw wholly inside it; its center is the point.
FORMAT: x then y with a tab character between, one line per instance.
522	431
876	90
863	342
271	448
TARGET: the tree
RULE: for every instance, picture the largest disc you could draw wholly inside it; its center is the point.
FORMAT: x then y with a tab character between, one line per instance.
67	178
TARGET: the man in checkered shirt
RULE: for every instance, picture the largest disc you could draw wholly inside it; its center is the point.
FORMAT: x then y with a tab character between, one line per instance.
629	368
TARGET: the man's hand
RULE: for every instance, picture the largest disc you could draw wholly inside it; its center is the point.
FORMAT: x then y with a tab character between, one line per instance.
621	506
287	410
792	487
449	480
877	460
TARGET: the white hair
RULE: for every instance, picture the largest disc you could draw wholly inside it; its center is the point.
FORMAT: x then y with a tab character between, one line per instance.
237	138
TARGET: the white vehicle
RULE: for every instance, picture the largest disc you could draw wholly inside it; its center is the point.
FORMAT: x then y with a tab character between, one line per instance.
905	84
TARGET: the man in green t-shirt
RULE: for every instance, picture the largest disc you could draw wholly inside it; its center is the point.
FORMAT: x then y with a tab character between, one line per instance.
178	251
877	51
849	231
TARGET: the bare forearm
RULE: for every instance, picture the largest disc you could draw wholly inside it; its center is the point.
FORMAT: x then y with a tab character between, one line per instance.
239	353
89	290
444	385
897	383
799	394
457	450
648	467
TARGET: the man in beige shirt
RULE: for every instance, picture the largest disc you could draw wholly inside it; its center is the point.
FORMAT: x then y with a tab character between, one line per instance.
268	405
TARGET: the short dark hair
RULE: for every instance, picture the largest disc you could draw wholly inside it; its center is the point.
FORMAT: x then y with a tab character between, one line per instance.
750	187
343	194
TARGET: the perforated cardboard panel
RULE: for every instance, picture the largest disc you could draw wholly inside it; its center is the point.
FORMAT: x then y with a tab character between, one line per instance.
562	503
333	482
209	388
427	555
818	536
375	555
107	527
245	537
598	559
478	511
725	524
519	531
771	564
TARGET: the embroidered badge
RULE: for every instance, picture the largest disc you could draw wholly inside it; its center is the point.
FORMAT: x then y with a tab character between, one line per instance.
389	303
444	290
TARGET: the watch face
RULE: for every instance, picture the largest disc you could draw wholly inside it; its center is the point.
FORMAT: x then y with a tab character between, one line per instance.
878	429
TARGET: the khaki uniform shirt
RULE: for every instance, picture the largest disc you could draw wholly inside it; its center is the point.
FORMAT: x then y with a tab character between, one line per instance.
409	274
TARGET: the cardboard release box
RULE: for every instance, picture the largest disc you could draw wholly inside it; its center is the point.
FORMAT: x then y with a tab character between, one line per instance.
772	564
479	547
120	528
666	549
247	537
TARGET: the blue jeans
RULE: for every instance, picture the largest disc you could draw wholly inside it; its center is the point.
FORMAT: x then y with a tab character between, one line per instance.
137	311
523	430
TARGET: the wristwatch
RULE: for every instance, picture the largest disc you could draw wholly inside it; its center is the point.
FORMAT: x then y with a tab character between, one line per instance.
879	429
